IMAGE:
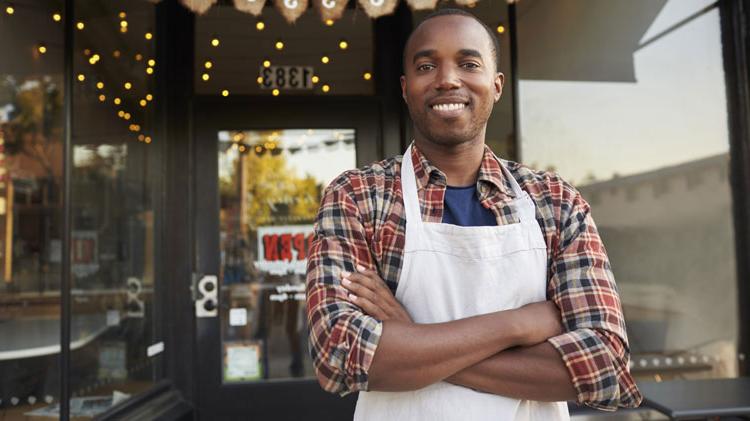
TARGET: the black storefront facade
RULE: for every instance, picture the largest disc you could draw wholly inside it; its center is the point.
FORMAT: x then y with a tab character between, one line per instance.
159	186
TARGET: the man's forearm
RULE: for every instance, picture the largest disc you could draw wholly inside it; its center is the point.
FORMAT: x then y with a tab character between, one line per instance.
536	373
411	356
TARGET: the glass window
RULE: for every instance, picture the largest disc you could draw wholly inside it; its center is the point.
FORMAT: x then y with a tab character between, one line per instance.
270	184
233	56
31	139
626	100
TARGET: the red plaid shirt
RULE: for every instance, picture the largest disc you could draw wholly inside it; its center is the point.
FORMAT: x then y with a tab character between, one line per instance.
361	221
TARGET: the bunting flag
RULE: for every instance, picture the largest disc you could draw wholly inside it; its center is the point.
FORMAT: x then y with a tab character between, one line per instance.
330	9
198	6
291	9
378	8
422	4
254	7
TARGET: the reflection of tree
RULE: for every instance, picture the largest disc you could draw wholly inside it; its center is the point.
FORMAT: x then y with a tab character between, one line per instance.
273	193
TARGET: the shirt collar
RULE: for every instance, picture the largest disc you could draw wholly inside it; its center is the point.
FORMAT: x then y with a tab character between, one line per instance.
490	173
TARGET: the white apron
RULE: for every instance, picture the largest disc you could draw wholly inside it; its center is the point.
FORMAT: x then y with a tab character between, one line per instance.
451	272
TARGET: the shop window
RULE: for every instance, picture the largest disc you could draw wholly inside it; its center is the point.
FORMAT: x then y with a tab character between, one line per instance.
31	139
238	54
626	100
270	184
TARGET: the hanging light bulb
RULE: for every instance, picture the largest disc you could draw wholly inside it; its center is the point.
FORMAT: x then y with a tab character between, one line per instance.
501	29
260	25
56	17
205	77
81	77
279	45
102	98
367	76
275	92
10	10
149	97
326	88
215	42
100	85
148	35
80	26
143	102
329	22
42	49
122	15
343	44
266	63
208	64
325	59
315	79
128	85
225	92
117	101
149	70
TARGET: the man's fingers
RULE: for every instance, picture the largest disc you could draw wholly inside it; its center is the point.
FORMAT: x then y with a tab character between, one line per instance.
367	306
358	289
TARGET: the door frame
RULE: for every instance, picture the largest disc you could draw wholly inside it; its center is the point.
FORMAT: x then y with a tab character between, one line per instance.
270	399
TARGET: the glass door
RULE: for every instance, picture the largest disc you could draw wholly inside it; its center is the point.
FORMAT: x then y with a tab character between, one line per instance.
259	183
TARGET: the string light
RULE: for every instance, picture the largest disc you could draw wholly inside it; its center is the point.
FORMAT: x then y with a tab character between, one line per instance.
208	64
279	45
121	114
315	79
343	44
143	102
81	77
127	116
86	52
205	77
215	42
147	139
42	49
56	17
80	26
123	24
138	57
151	62
260	25
10	10
367	75
117	101
275	92
102	98
100	85
128	85
259	79
329	22
225	92
148	35
116	54
266	63
123	15
242	148
149	97
326	88
141	137
124	29
500	29
325	59
149	70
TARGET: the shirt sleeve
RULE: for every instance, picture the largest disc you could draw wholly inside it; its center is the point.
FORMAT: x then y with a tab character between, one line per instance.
342	338
595	346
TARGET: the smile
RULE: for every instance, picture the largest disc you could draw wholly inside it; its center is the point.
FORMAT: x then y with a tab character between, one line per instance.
449	107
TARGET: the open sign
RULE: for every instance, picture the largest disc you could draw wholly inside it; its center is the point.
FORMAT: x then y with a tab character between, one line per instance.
284	249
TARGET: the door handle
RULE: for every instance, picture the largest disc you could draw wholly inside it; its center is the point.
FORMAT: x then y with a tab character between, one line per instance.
206	295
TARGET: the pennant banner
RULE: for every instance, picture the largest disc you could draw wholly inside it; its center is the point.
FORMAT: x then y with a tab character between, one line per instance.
254	7
330	9
291	9
378	8
198	6
422	4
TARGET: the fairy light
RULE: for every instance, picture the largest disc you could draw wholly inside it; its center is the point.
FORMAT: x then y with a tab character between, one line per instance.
326	88
279	45
259	79
205	77
81	77
117	101
128	85
116	54
42	49
225	92
149	70
343	44
151	62
260	25
266	63
275	92
148	35
123	24
147	139
329	22
215	42
149	97
242	148
122	15
138	57
121	114
126	116
56	17
143	102
315	79
141	137
102	98
100	85
367	76
10	10
325	59
86	52
80	26
208	64
500	29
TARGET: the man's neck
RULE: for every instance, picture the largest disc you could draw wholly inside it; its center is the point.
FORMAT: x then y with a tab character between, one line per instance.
460	163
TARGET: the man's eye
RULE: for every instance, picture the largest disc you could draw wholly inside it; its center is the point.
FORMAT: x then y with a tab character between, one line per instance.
425	67
471	65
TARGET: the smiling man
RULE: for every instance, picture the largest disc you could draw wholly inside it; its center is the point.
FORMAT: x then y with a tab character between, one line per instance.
450	284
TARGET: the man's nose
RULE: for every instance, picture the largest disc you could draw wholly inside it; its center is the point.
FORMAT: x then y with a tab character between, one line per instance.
447	78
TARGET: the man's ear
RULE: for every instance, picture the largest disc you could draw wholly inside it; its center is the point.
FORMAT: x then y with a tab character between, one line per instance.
403	88
499	82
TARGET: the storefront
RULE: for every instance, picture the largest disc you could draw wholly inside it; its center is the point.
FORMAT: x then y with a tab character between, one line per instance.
175	158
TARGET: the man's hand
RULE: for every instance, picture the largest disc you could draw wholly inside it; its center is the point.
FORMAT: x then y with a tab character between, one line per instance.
539	322
373	296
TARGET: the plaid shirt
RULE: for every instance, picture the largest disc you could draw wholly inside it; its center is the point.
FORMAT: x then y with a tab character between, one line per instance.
361	221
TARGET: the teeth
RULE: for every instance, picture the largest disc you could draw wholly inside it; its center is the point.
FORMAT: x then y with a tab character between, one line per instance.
448	107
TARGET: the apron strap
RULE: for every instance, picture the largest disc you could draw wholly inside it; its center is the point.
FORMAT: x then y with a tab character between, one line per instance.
409	191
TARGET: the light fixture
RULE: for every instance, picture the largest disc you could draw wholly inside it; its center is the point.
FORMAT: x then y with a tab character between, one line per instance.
86	52
138	57
205	77
266	63
80	26
151	62
275	92
123	24
124	29
121	114
149	97
56	17
260	25
325	59
315	79
127	116
343	44
149	70
242	148
128	85
148	35
501	29
367	76
116	54
81	77
10	10
102	98
215	42
143	102
100	85
225	92
147	139
260	79
329	22
41	48
117	101
326	88
141	137
208	64
279	45
122	15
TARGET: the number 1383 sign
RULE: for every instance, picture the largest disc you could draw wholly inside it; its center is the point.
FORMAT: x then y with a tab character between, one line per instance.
286	77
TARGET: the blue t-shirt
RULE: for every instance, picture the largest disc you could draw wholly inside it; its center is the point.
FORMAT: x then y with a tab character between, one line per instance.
462	207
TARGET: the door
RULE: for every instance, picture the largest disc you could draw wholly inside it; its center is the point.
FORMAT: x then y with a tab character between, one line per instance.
261	166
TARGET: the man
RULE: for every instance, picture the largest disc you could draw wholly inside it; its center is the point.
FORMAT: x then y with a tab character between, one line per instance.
450	284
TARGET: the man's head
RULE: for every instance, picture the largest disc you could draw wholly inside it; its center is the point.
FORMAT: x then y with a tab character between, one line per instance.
450	80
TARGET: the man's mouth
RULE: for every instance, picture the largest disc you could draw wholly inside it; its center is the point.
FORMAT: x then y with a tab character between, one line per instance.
449	107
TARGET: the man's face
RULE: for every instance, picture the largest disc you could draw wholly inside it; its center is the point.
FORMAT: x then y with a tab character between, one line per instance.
450	82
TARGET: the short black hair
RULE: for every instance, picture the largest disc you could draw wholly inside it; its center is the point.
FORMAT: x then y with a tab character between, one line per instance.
448	11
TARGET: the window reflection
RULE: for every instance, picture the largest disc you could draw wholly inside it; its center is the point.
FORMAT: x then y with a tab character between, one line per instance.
651	158
270	183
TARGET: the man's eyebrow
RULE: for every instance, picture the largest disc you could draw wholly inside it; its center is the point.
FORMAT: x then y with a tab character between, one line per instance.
464	52
423	53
